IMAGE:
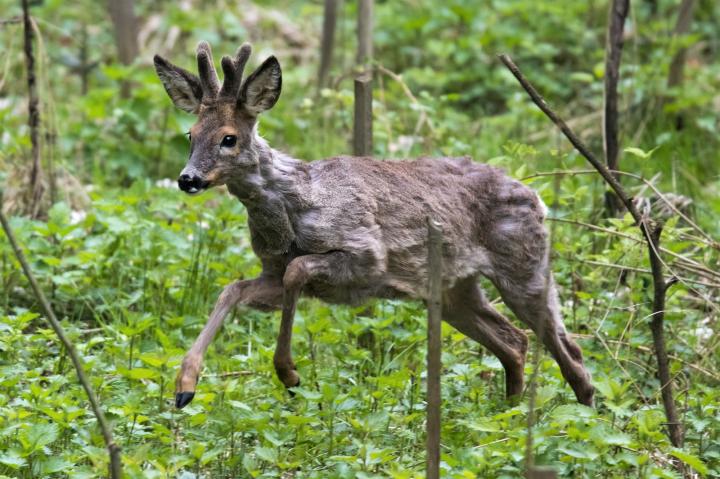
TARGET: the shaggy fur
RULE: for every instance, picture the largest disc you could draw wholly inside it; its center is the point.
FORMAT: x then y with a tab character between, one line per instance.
347	229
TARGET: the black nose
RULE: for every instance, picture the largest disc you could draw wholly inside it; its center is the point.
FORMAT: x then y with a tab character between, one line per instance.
191	184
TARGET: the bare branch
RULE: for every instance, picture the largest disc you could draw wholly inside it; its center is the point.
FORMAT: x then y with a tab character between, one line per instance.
650	230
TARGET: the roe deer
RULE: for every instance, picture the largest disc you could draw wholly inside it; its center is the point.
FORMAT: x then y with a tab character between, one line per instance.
347	229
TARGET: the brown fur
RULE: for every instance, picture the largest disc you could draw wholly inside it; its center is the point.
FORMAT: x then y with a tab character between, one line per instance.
347	229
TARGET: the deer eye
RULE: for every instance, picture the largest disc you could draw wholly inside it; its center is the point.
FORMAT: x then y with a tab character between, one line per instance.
228	141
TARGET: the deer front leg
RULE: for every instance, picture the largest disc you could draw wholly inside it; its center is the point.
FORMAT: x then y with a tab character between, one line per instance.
260	293
333	268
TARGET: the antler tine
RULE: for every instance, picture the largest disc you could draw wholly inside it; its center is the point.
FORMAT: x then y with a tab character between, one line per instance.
233	71
206	70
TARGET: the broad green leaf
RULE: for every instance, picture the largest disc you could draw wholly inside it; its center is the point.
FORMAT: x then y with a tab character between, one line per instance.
691	460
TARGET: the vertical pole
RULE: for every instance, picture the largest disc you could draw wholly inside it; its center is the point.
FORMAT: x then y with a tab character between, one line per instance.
434	365
362	129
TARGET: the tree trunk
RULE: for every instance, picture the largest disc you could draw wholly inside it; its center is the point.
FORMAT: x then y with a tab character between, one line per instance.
328	41
677	66
364	32
36	189
613	53
122	14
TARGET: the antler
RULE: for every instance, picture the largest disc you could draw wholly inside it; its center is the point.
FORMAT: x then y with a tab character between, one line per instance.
206	71
233	71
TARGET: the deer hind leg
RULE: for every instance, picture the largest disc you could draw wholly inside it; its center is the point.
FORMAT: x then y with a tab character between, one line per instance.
466	308
535	303
260	293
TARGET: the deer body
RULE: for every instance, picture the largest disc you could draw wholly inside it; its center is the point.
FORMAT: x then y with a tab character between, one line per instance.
348	229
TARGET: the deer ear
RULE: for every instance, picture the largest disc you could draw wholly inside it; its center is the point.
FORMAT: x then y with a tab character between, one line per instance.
182	86
262	88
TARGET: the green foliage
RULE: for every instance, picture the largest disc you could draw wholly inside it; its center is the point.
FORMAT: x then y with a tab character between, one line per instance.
134	274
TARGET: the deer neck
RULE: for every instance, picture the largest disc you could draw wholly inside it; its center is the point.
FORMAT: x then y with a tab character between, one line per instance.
272	195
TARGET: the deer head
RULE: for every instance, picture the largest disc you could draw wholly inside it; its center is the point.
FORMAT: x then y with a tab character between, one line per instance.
221	142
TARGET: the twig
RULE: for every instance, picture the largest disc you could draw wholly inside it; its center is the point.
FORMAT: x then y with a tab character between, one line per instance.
650	230
113	449
697	368
434	365
10	21
711	242
689	263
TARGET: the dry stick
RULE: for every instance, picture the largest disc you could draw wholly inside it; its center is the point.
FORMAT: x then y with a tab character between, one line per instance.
434	348
113	449
651	231
686	263
618	13
328	41
704	237
33	112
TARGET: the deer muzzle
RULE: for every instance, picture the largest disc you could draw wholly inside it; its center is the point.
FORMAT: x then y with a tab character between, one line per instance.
192	184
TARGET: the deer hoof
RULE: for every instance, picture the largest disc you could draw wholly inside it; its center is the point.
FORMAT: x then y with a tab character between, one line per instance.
183	399
289	388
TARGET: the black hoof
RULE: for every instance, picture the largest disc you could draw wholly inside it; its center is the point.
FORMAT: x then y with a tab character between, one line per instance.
289	389
183	399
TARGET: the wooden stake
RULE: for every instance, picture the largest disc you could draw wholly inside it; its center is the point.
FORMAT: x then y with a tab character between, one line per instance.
362	128
434	365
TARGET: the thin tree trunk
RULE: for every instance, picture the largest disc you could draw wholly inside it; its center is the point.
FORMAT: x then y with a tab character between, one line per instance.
364	32
36	191
328	41
651	232
122	13
677	66
613	52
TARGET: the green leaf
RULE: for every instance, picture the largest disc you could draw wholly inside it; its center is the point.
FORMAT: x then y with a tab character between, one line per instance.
266	454
12	459
690	460
139	373
38	436
639	152
52	465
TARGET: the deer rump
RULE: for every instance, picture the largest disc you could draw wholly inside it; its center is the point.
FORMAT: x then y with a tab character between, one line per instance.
376	213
